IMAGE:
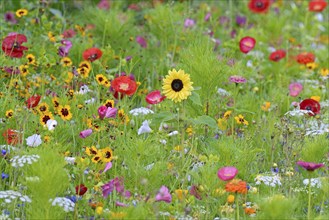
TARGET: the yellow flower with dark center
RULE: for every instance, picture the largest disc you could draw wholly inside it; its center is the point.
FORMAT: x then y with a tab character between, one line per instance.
9	113
240	120
52	37
66	61
80	106
100	78
311	66
107	155
21	12
85	64
107	83
43	107
31	59
109	103
55	102
97	158
227	114
177	85
64	112
45	117
91	151
46	139
70	93
83	72
24	70
123	117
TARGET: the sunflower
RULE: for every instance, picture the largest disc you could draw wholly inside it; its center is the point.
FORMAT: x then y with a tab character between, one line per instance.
91	151
107	155
66	61
9	113
64	112
177	86
97	158
45	117
109	103
21	12
43	108
31	59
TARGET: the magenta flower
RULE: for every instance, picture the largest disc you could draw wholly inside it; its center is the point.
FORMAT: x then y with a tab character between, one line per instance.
207	17
237	79
63	51
154	97
85	133
111	112
141	41
163	195
189	23
310	166
102	111
227	173
114	184
295	88
104	4
120	204
247	44
10	17
195	192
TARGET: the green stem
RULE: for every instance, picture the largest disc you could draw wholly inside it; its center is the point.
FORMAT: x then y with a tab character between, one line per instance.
309	199
237	206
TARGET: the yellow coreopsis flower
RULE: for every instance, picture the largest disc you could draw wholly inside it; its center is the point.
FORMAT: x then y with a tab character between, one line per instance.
21	12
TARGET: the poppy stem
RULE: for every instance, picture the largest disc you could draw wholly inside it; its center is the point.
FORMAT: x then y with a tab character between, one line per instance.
309	198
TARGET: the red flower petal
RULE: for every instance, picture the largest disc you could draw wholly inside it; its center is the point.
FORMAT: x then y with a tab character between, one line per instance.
277	55
81	189
310	104
247	44
259	6
92	54
154	97
317	5
33	101
12	47
305	58
125	85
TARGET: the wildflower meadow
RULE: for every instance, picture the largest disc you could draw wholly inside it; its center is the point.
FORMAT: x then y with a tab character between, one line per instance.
154	109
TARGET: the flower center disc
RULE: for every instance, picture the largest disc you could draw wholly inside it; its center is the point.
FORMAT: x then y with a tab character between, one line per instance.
177	85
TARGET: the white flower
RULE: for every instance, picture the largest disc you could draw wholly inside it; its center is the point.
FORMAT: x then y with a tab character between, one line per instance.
51	124
83	90
145	128
163	141
298	112
315	182
34	140
223	92
173	133
149	167
63	202
10	195
20	161
92	100
270	180
249	63
141	111
70	160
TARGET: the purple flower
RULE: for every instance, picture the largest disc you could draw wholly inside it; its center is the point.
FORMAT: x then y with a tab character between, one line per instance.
107	167
189	23
63	51
107	188
128	58
310	166
227	173
237	79
195	192
207	17
85	133
163	195
12	70
240	20
10	17
114	184
120	204
104	4
141	41
111	112
295	88
4	176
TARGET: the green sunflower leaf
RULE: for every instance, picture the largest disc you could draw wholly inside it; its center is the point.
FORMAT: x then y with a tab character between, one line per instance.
195	98
205	120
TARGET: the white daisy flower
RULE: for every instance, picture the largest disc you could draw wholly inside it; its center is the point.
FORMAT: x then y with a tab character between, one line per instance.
63	202
141	111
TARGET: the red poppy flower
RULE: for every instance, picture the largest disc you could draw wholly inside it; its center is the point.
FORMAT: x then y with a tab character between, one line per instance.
12	137
277	55
259	6
311	105
81	189
124	85
305	58
12	45
247	44
33	101
317	5
92	54
154	97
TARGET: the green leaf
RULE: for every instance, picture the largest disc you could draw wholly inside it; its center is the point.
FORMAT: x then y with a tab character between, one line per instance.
56	12
206	120
164	116
195	98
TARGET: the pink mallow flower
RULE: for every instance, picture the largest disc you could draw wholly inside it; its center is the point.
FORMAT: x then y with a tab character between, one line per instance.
310	166
163	195
295	88
154	97
227	173
85	133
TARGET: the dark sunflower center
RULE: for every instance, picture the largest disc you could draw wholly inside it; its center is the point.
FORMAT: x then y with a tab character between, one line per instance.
108	154
65	112
177	85
43	108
